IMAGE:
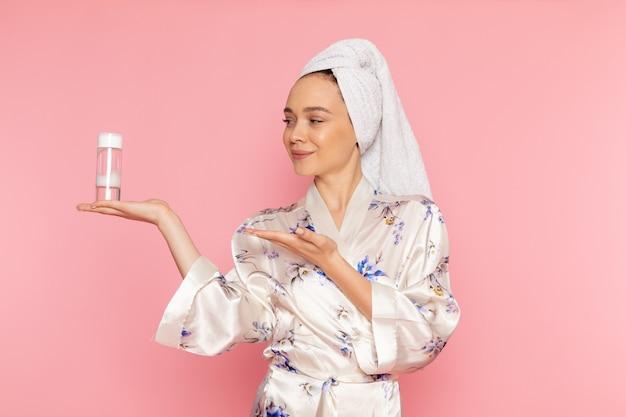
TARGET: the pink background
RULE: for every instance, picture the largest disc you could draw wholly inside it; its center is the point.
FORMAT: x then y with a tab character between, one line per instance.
519	108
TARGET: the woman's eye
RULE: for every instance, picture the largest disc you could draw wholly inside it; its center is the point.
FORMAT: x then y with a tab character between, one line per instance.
313	120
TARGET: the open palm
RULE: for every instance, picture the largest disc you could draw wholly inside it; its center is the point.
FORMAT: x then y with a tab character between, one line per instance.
147	211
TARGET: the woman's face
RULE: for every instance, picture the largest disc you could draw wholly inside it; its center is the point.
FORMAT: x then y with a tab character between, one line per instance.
317	121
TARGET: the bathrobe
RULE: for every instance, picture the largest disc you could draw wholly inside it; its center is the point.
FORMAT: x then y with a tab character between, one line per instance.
325	358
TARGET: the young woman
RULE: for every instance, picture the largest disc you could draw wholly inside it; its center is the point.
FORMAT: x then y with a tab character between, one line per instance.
349	285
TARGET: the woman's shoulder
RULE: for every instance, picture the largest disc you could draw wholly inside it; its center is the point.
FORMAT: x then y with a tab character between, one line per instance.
414	201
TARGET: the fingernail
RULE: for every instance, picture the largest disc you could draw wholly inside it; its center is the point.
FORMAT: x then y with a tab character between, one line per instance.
299	230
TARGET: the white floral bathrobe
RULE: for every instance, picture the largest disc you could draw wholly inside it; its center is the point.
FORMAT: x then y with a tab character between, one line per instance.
326	359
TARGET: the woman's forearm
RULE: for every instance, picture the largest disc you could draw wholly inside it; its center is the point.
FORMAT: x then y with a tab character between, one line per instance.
351	283
178	240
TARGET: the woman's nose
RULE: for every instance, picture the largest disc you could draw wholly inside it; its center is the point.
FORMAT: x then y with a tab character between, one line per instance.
296	137
297	133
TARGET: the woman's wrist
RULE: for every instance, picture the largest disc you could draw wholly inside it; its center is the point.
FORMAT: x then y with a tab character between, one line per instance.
334	261
166	217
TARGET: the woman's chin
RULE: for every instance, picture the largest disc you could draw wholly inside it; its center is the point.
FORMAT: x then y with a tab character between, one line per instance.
302	171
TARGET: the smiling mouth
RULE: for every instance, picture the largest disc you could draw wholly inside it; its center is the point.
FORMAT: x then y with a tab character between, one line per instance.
301	155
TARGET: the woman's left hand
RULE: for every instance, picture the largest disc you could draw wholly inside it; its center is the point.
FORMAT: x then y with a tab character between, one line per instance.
316	248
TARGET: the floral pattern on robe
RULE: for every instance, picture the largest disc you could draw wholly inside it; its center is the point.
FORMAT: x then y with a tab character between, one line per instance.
325	357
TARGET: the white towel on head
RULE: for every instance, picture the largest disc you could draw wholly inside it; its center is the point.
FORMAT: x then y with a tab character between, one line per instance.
390	157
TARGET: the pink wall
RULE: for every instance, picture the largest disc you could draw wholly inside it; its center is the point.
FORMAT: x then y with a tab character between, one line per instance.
520	112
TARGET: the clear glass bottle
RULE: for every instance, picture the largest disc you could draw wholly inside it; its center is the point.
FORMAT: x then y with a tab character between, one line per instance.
109	166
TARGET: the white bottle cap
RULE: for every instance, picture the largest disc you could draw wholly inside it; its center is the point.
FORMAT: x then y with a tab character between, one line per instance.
109	140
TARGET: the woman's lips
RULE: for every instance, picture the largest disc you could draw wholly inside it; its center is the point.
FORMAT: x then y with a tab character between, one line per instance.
301	155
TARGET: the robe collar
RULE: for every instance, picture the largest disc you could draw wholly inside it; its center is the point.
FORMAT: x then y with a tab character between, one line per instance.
356	209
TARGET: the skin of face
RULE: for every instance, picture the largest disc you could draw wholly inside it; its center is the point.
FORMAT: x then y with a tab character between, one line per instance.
329	135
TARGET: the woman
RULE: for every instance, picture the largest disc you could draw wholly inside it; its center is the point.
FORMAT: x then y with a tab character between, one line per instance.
349	284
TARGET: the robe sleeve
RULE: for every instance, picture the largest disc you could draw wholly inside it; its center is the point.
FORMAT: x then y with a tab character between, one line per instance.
411	323
211	312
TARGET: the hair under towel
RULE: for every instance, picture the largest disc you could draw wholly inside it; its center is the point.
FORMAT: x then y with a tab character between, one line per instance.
390	157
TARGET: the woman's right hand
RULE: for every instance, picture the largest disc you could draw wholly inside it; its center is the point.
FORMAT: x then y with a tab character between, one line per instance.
151	211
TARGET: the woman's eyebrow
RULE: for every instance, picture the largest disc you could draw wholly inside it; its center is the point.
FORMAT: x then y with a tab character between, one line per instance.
309	109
